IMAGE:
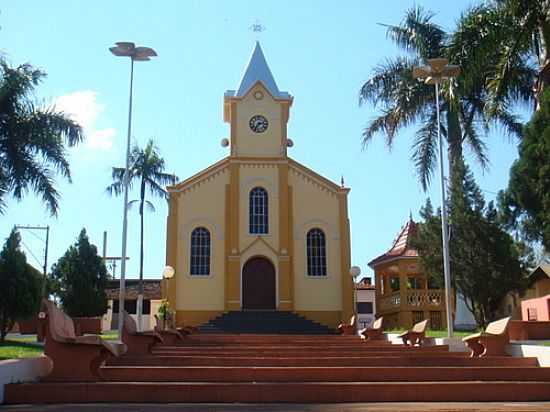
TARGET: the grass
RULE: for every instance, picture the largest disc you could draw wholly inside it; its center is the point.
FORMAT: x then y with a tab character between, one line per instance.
110	335
17	346
438	333
12	349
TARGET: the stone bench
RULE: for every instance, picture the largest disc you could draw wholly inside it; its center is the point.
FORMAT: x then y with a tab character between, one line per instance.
415	336
491	342
138	343
348	328
376	332
75	358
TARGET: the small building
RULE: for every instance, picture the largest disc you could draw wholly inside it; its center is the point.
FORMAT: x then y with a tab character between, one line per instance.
366	302
404	295
535	305
152	298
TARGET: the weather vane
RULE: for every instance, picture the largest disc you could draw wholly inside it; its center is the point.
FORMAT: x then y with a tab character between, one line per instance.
257	28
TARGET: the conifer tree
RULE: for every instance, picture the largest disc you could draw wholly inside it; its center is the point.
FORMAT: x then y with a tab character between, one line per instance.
486	262
81	277
20	285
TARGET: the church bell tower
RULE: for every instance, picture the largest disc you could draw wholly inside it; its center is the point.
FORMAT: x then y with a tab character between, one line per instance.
258	112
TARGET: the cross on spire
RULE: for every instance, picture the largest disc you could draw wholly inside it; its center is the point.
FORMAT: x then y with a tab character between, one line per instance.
257	28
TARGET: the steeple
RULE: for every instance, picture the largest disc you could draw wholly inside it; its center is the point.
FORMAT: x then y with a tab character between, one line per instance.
257	70
258	112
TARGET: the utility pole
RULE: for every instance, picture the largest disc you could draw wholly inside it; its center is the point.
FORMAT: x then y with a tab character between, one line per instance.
110	259
47	242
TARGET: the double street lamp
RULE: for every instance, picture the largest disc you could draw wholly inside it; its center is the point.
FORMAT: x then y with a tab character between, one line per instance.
138	54
434	73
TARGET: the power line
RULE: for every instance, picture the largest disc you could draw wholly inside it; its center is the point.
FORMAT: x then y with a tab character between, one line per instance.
31	253
36	236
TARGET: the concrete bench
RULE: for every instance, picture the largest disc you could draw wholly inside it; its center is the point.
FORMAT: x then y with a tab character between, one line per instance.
171	336
376	332
416	335
75	358
492	342
139	343
348	328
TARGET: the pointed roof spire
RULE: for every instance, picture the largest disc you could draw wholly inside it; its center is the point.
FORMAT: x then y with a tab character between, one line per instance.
258	70
401	247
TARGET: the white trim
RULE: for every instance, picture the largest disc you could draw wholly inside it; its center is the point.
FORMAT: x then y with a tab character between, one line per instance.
263	182
205	221
330	230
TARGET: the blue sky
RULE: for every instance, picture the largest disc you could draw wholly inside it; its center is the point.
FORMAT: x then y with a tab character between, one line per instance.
320	51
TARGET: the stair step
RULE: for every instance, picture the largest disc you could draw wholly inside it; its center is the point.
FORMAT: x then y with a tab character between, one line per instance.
300	392
354	348
382	361
318	374
239	339
264	322
300	353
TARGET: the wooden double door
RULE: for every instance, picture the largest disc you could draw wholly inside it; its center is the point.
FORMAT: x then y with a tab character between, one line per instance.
258	285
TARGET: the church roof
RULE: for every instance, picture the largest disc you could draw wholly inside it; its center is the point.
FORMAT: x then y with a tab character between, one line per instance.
257	70
401	247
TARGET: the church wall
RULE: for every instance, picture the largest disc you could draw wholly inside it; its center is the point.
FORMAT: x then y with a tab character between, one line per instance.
253	175
268	143
315	206
259	175
201	206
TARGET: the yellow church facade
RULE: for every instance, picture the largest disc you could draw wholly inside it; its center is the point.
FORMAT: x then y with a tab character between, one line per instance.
258	230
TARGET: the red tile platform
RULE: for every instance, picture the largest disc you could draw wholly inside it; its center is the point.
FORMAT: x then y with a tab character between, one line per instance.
301	369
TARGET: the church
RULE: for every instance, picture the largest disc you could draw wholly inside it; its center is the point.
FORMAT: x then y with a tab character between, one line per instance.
258	231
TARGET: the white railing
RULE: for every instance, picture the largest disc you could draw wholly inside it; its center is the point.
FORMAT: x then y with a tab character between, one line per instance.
429	297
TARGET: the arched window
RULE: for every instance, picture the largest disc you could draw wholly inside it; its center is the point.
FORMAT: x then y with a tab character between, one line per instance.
200	251
258	211
316	253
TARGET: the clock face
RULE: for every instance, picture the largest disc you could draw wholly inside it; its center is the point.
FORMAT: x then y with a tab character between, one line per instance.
258	124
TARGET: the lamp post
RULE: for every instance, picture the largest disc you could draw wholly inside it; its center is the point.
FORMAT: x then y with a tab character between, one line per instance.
354	272
167	274
128	49
438	70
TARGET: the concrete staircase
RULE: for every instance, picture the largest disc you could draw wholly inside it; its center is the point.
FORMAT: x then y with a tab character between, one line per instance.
298	368
278	322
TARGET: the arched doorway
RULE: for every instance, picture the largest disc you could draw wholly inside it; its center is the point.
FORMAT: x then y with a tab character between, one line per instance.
258	284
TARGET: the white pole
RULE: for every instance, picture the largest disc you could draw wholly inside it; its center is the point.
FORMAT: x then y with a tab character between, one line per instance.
122	294
444	232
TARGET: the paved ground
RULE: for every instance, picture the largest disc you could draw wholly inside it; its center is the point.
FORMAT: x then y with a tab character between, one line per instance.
351	407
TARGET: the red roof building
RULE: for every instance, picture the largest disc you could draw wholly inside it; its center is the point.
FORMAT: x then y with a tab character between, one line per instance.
403	293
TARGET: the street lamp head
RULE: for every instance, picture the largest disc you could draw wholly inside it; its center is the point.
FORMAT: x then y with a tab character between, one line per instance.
421	72
438	64
129	49
437	70
355	271
168	272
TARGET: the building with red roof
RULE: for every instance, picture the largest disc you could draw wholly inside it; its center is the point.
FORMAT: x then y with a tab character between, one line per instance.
404	295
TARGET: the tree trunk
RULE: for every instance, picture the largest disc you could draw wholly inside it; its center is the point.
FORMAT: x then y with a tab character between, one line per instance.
3	327
454	141
543	78
140	287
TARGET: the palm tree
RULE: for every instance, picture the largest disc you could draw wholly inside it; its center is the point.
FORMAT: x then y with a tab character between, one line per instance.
147	168
404	101
32	139
519	32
